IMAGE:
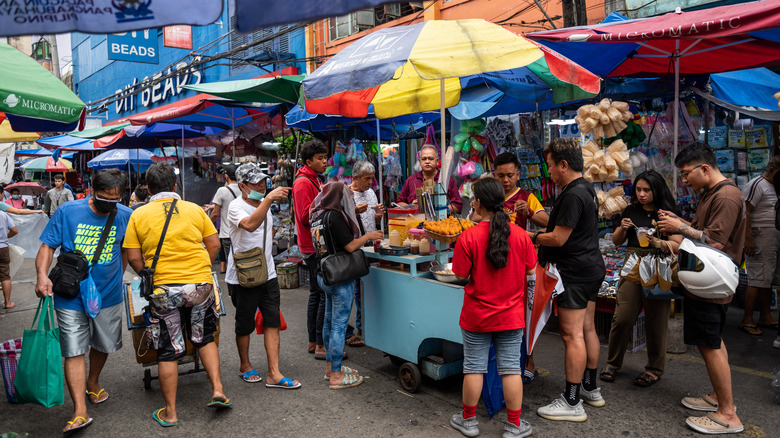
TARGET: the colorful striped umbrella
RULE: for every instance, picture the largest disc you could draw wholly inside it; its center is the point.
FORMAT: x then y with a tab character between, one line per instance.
410	69
47	164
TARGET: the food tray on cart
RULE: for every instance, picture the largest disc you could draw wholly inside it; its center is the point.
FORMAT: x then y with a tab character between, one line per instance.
394	250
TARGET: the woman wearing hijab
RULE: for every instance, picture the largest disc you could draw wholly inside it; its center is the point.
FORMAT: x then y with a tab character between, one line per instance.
335	229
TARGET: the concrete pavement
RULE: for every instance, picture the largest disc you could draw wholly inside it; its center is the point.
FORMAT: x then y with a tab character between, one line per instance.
379	408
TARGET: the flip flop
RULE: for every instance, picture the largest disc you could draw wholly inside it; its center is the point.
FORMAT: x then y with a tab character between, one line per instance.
248	374
163	423
84	423
97	396
529	376
348	381
771	325
12	305
285	383
217	403
750	329
354	341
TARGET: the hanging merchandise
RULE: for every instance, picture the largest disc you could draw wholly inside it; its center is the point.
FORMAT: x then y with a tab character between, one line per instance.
606	119
604	165
611	202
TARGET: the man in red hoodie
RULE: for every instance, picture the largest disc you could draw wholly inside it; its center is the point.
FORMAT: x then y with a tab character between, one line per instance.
306	186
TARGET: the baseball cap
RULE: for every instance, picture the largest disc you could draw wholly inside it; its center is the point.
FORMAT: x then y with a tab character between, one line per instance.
249	173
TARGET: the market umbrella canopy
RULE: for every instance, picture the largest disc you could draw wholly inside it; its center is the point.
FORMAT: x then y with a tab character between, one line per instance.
66	142
280	89
139	159
8	135
398	69
250	17
719	39
299	118
33	99
222	114
47	164
27	188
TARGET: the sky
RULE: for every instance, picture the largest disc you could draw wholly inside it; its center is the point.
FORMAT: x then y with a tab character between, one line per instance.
63	48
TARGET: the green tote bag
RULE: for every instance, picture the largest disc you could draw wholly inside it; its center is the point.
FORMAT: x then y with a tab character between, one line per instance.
39	377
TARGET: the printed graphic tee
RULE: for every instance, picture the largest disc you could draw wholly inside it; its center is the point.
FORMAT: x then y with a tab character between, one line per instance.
74	226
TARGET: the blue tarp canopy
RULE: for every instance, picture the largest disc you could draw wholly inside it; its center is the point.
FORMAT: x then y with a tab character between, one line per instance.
139	159
753	88
66	142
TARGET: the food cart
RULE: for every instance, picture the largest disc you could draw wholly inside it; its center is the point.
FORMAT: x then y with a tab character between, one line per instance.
146	355
411	315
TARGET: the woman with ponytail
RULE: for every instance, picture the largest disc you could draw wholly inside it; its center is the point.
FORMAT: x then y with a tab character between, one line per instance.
497	256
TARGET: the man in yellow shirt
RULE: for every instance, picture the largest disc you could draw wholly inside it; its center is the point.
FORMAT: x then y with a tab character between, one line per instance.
183	302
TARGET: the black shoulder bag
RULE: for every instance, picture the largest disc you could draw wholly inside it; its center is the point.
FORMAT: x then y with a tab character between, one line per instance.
147	274
341	267
73	267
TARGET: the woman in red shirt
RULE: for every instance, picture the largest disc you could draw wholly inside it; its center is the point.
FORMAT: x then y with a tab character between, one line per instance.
498	257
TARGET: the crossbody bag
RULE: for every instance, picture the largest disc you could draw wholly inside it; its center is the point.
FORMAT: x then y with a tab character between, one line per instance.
251	265
147	274
73	267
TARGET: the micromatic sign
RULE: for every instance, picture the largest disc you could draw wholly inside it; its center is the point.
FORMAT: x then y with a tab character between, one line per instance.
700	28
35	107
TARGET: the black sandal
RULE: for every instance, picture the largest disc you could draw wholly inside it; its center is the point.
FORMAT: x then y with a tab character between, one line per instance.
645	380
608	375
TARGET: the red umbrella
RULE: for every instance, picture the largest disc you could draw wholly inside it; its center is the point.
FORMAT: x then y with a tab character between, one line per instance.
27	188
539	305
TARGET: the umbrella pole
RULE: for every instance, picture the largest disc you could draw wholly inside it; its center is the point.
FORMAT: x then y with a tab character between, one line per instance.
181	170
233	122
676	113
443	123
381	184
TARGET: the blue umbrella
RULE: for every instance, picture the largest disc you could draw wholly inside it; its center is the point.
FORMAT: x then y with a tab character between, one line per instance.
299	118
139	159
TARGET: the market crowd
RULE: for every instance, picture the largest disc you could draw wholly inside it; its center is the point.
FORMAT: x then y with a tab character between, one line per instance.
172	243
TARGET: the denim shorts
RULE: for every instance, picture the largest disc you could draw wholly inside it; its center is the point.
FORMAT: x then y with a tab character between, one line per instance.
476	347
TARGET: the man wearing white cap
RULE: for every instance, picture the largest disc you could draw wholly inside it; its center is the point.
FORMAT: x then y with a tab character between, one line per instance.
250	225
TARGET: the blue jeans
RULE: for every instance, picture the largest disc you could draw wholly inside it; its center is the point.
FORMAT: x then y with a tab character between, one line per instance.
507	344
358	306
338	307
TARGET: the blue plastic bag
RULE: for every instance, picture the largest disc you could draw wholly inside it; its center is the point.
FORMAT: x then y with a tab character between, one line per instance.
492	387
90	296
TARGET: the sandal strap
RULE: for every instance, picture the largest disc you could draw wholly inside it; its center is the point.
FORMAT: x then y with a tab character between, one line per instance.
712	416
709	400
83	420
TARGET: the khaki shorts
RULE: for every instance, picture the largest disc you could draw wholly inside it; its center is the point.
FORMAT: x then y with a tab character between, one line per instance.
763	269
5	264
78	331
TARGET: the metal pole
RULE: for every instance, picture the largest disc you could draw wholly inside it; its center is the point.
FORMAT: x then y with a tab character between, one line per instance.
233	122
545	13
181	169
443	123
381	184
676	112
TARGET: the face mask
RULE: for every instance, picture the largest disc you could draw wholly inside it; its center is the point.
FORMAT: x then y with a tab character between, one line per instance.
104	205
15	196
257	196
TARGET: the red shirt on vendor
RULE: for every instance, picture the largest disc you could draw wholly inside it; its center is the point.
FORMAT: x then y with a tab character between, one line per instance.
428	161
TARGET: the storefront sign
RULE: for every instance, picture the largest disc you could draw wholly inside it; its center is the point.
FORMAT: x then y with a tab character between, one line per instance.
159	92
138	46
179	37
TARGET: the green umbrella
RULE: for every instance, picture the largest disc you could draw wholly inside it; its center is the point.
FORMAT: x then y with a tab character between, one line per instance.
28	90
281	89
101	132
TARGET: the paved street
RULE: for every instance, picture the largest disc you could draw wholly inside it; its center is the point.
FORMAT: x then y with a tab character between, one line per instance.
379	408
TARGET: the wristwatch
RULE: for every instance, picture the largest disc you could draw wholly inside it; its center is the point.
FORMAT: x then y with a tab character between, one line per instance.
533	239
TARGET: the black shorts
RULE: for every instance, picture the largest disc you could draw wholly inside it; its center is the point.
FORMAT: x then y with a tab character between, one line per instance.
224	249
248	300
165	350
703	323
577	295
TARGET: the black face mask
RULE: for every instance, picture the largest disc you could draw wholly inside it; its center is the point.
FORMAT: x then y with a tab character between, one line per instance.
104	206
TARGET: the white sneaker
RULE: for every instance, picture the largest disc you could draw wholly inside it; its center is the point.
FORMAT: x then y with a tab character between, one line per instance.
592	398
522	431
559	410
467	426
776	344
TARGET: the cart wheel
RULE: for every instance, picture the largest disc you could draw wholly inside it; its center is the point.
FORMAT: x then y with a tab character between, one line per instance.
410	377
147	379
395	360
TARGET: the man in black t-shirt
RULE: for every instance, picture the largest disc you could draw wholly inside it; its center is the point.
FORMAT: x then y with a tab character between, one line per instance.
571	243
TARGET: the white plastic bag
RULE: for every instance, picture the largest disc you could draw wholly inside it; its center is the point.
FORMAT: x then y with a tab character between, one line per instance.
17	258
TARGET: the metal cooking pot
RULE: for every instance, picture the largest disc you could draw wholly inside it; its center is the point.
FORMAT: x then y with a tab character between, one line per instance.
438	272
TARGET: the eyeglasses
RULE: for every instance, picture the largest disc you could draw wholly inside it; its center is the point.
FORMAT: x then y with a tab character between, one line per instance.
688	172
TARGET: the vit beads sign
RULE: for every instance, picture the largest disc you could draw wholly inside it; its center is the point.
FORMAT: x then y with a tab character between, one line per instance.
136	46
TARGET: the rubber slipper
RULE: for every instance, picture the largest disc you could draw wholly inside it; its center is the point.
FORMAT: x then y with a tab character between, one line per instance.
608	375
12	305
97	396
217	403
771	325
285	383
348	381
248	374
750	329
163	423
354	341
529	376
322	356
645	380
84	423
345	370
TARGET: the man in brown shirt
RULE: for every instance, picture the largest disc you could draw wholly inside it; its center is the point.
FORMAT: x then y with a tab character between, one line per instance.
719	222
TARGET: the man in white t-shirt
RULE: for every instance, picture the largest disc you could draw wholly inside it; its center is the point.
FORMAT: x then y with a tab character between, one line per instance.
762	249
224	196
250	225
